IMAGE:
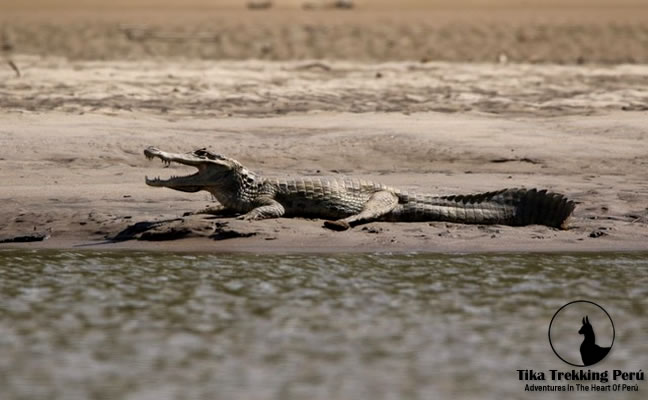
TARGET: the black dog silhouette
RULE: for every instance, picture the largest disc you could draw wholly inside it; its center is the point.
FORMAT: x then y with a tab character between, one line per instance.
591	353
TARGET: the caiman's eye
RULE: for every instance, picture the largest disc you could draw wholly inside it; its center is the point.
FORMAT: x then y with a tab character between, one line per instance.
204	153
200	153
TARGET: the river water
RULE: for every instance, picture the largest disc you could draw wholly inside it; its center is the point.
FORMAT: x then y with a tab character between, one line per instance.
136	325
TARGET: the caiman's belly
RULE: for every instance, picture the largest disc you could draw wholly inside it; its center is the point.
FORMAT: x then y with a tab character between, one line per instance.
327	207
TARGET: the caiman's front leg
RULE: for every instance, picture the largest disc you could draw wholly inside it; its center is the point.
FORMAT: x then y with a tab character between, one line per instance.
378	205
265	208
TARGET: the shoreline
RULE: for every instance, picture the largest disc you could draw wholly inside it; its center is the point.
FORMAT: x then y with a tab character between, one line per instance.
241	247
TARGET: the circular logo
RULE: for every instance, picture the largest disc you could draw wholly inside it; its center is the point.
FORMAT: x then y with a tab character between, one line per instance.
581	333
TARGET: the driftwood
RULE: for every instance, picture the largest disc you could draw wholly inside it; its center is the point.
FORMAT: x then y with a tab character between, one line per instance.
323	4
140	33
259	4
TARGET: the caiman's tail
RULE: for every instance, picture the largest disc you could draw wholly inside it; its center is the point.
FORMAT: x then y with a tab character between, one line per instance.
508	207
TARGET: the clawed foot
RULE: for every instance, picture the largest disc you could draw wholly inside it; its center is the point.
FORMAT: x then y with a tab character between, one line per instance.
338	225
253	216
248	217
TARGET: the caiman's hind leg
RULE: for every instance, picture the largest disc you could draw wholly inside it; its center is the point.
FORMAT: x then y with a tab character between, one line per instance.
378	205
265	208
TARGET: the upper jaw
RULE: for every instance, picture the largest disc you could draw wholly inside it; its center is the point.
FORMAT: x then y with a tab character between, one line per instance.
168	158
183	183
152	152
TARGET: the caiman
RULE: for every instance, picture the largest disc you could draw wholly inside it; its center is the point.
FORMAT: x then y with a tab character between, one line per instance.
346	202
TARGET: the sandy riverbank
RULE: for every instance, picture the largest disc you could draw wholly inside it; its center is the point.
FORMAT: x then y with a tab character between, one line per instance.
81	177
442	97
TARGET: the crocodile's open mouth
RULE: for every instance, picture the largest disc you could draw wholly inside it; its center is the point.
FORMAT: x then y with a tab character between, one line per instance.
187	183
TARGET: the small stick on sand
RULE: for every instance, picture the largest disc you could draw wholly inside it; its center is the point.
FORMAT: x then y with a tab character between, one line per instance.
14	67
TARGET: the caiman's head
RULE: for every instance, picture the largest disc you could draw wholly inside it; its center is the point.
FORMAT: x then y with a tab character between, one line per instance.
212	169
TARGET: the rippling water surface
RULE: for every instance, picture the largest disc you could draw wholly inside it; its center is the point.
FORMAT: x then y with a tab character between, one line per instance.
93	325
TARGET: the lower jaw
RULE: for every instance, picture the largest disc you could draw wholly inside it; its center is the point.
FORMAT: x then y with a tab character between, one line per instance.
190	189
